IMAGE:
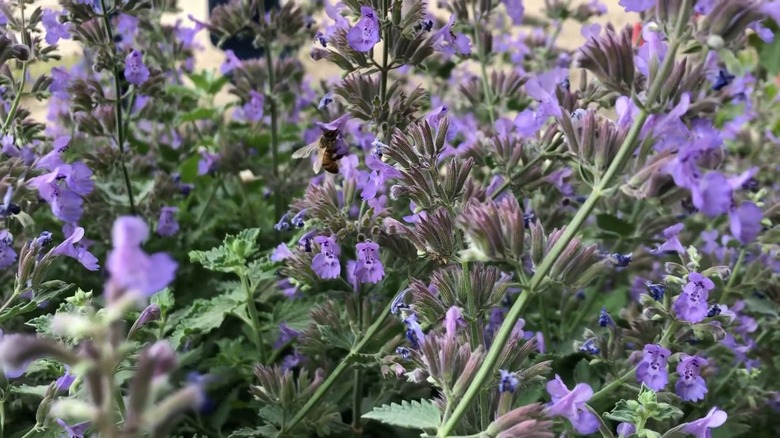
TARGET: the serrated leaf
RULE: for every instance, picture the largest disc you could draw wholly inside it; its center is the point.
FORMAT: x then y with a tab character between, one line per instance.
232	255
265	431
415	415
204	316
164	299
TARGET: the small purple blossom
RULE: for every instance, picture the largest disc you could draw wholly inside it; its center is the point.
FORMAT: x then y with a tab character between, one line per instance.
166	224
231	62
745	222
691	386
652	370
252	111
507	382
701	428
364	35
452	320
672	243
625	430
65	381
571	405
136	71
414	332
76	430
636	5
369	267
691	305
70	247
55	30
7	253
209	163
281	252
326	264
130	267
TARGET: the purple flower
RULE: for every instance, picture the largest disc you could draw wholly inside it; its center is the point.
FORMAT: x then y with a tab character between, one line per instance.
136	71
508	382
166	224
712	195
286	335
65	381
369	268
571	405
700	428
208	163
691	386
652	370
8	146
231	62
414	332
55	30
625	430
652	51
70	248
364	35
672	243
127	27
280	253
691	305
515	10
75	431
452	320
636	5
326	264
745	222
79	178
130	267
449	43
7	253
252	111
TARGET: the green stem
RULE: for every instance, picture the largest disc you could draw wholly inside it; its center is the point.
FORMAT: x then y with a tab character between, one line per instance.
626	148
338	371
18	97
120	128
269	62
733	277
30	433
250	305
384	70
481	56
357	400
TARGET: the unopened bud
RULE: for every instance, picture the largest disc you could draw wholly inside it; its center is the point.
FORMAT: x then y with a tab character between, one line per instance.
20	52
72	408
715	42
149	314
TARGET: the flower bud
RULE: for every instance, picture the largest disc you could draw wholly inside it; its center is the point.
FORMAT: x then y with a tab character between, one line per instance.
17	352
149	314
20	52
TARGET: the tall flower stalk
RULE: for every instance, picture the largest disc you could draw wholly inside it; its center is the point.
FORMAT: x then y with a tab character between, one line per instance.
600	190
121	133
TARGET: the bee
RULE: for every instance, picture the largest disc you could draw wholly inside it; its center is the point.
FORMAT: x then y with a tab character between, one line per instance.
328	152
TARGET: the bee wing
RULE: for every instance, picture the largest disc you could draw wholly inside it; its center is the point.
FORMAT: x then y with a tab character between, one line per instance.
306	150
318	162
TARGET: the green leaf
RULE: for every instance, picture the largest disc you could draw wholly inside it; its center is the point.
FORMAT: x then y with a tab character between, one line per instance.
164	299
189	169
265	431
232	255
415	415
216	86
200	113
614	224
204	316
